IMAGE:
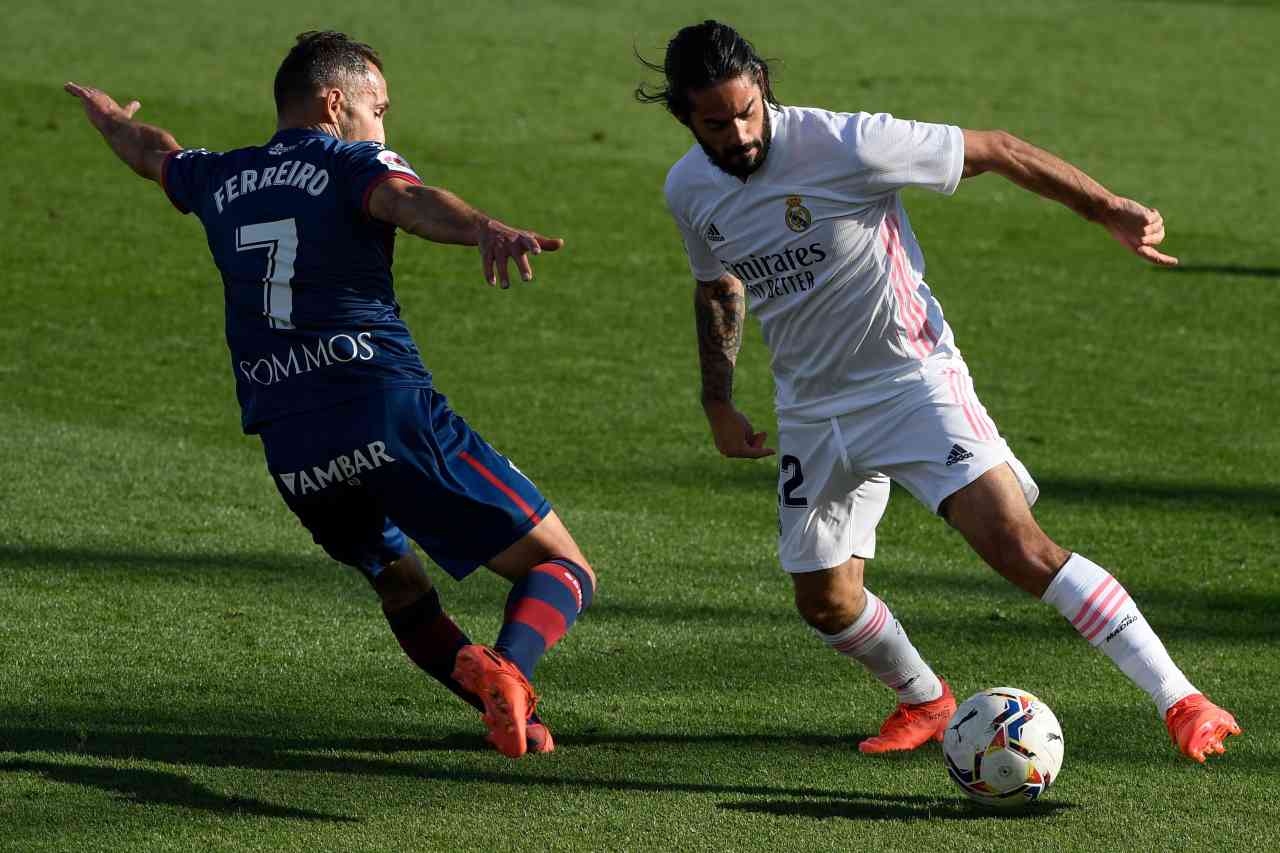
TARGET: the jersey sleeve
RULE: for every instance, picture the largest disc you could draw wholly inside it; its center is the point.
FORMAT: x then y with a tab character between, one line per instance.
702	263
892	153
185	174
366	165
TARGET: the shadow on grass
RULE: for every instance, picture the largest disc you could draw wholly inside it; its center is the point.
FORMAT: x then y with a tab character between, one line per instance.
981	609
1202	614
317	756
265	752
375	756
178	564
351	758
1182	497
1223	269
156	787
761	481
864	810
1185	497
594	737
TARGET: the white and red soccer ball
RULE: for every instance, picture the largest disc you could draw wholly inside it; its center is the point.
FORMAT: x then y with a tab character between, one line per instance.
1003	747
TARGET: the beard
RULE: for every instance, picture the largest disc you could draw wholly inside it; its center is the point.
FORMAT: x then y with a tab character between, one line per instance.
738	168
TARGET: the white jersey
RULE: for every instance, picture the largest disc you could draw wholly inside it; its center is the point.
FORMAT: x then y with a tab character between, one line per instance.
820	239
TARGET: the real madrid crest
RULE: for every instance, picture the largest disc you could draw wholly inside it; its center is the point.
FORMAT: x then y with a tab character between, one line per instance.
798	216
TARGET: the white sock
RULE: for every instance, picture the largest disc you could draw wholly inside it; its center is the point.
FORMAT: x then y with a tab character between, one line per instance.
1100	609
877	641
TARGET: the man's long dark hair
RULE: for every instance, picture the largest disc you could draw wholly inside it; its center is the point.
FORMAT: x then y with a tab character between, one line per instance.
320	60
699	57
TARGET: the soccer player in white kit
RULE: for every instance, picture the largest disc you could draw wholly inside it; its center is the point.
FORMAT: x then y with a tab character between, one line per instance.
794	212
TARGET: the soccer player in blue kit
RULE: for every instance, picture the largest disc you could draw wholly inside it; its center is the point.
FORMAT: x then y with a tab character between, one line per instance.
360	445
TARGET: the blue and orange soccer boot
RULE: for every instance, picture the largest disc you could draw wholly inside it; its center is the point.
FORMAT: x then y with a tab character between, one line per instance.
508	697
1198	727
910	726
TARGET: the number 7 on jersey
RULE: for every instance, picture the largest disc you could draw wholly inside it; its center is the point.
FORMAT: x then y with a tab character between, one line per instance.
280	240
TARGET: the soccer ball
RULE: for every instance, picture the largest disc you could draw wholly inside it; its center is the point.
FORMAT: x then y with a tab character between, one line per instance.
1003	747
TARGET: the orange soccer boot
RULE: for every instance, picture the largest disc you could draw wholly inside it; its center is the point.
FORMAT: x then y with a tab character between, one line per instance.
508	697
539	738
1198	726
910	726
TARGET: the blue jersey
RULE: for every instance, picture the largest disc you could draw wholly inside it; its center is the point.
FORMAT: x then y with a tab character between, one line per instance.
312	318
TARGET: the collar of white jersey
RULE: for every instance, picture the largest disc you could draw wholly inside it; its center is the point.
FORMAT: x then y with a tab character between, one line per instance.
776	135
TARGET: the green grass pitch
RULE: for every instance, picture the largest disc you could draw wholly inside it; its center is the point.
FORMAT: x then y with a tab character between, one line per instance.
180	668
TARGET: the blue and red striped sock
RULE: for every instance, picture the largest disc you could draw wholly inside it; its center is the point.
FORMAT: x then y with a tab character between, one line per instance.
541	608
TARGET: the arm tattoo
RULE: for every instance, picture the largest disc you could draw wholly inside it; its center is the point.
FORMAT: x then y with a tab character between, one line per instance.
719	310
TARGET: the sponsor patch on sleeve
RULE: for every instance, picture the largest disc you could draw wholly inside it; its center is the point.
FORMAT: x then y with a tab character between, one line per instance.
395	162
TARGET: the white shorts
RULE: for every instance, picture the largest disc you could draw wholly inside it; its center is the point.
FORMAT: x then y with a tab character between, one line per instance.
833	475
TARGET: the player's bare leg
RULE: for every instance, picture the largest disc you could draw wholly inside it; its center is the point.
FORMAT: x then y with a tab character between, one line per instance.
402	582
992	514
549	540
857	624
552	585
832	599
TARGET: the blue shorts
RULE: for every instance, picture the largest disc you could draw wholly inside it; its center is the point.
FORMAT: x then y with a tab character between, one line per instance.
365	473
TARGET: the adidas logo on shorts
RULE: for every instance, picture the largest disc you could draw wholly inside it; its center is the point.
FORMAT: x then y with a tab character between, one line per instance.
714	235
958	454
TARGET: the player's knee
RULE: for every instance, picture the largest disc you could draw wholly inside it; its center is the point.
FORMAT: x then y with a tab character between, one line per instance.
591	575
828	611
1027	557
1039	554
401	582
565	550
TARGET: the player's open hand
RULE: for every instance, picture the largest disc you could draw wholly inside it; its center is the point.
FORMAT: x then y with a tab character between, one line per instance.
500	244
734	435
1138	227
101	108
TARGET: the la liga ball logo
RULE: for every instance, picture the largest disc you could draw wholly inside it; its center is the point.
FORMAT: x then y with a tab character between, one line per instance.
798	216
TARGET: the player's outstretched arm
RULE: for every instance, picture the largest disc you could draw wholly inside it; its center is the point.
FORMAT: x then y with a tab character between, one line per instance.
720	309
141	146
440	216
1138	227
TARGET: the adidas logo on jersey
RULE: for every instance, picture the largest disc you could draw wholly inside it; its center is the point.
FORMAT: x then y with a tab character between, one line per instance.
714	235
958	454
